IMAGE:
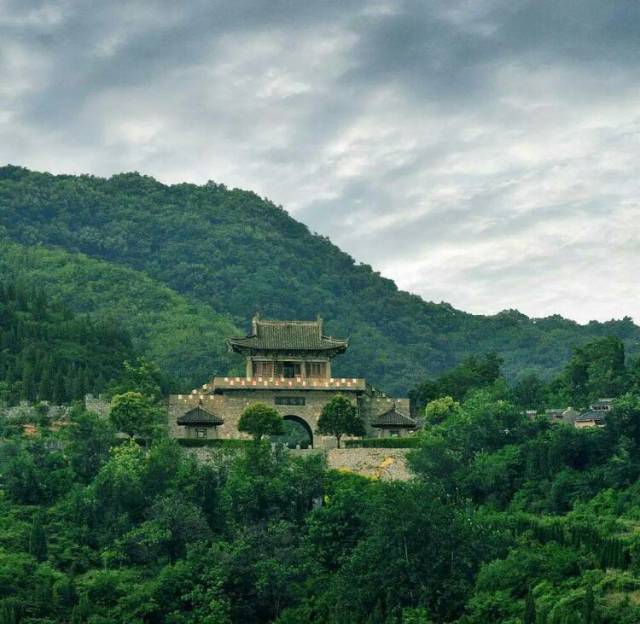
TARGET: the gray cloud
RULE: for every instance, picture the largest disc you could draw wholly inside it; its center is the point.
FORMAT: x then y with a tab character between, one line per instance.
479	152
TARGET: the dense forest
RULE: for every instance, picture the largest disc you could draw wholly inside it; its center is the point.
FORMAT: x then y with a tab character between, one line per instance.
597	369
211	257
507	519
49	354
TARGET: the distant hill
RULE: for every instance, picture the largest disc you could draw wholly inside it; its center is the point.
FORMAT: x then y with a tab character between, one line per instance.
211	257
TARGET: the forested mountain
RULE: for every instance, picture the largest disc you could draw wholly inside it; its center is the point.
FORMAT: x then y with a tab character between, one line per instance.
47	353
226	254
186	340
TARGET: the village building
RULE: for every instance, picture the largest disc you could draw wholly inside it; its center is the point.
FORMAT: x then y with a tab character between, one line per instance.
593	417
288	365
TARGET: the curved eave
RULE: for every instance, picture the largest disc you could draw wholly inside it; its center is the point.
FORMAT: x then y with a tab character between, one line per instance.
242	345
198	423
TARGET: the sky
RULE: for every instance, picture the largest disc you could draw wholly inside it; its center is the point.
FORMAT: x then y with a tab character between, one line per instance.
479	152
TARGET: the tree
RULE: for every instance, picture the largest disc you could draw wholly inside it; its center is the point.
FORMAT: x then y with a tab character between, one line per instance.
439	410
625	418
530	614
260	420
38	539
529	392
588	607
90	439
134	413
339	417
597	369
144	377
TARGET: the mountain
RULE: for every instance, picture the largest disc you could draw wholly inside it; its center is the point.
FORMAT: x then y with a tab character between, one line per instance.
222	254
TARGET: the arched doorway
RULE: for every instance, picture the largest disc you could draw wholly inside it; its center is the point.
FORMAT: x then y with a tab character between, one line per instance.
297	433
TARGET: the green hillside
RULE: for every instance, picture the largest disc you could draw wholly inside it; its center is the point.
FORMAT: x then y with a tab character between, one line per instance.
186	340
47	353
234	253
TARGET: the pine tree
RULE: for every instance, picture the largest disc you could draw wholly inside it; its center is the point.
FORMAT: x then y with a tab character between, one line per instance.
79	389
81	611
28	380
59	395
529	609
8	614
588	607
45	390
38	540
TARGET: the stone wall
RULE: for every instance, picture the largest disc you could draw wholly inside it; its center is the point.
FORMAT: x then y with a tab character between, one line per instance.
384	464
97	405
230	406
376	463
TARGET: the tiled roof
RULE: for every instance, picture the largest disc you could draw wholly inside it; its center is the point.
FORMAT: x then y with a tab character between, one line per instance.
200	416
590	415
289	335
298	383
393	418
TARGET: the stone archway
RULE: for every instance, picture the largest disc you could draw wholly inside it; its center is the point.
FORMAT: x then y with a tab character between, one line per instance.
297	433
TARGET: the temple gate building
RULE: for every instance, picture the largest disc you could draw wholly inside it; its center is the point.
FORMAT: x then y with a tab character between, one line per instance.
288	366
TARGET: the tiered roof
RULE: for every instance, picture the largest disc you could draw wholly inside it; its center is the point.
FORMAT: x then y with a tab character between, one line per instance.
269	335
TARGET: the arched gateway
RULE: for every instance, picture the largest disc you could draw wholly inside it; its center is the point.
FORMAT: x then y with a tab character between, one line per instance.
288	366
297	433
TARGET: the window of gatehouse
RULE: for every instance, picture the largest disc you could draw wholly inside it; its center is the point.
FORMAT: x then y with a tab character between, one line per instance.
291	370
264	369
316	369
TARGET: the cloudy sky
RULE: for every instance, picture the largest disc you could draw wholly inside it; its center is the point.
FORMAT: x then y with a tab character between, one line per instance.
481	152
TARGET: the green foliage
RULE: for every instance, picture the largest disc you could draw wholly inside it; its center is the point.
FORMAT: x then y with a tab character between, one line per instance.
596	370
530	615
537	524
439	410
201	258
49	354
471	374
135	414
340	417
38	539
186	340
145	378
88	439
260	420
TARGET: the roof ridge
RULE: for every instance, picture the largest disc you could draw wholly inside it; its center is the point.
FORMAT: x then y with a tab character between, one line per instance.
262	321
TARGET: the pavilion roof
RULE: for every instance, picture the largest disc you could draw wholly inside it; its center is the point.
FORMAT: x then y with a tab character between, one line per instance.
200	416
270	335
393	418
